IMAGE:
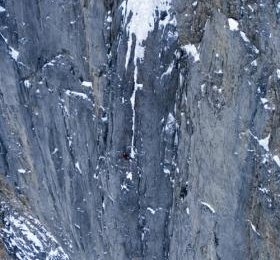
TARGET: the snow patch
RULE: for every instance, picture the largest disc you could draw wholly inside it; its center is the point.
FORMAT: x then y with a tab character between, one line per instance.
218	71
278	7
26	232
264	101
27	83
21	171
264	143
104	118
266	104
109	19
129	175
2	9
166	171
191	50
87	84
202	88
56	254
13	53
264	190
27	237
139	18
194	4
139	21
233	24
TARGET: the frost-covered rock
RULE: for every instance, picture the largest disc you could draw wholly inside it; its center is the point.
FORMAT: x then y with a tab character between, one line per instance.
26	238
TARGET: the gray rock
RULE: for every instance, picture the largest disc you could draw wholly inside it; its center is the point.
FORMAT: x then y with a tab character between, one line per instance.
140	129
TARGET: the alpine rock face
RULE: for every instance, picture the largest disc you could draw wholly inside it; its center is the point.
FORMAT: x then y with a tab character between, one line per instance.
139	129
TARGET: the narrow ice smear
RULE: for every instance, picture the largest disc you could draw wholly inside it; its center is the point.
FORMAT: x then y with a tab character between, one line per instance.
253	227
190	49
278	73
50	63
170	124
77	94
77	226
132	101
153	212
54	151
276	160
139	21
233	24
254	63
278	7
5	39
77	165
244	37
168	71
53	61
208	206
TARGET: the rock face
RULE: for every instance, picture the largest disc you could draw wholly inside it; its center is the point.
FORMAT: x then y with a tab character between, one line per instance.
140	129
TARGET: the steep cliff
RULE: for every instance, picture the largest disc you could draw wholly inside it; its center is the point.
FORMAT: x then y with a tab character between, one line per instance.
139	129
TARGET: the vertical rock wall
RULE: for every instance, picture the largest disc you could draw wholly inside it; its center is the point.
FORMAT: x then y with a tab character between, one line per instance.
139	129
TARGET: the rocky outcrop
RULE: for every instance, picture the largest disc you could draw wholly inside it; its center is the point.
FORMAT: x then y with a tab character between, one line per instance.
139	129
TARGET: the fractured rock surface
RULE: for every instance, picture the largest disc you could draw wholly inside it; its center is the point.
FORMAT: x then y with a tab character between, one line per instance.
139	129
